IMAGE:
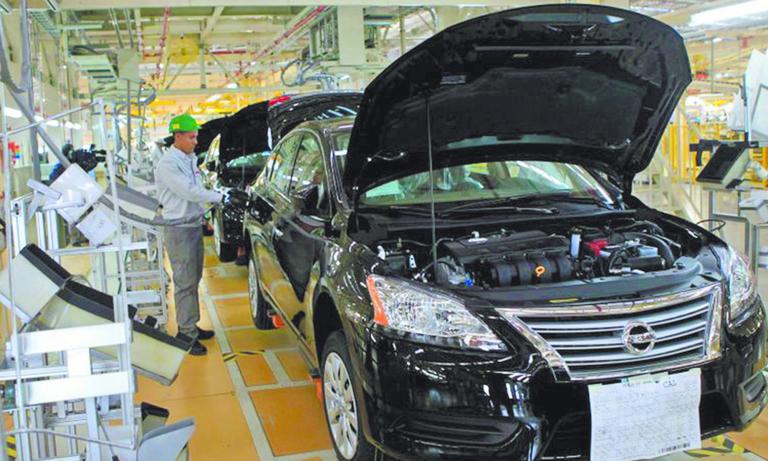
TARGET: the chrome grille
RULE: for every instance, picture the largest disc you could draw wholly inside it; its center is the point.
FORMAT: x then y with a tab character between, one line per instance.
587	341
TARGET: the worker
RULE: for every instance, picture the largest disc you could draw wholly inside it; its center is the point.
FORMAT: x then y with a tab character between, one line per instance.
182	196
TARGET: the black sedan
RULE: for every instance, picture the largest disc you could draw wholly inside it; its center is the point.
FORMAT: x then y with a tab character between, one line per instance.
468	272
237	147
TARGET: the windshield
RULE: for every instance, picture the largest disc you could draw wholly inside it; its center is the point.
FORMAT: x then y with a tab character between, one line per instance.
488	180
250	161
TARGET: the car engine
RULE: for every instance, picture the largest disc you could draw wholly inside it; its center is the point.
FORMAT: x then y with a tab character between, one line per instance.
530	257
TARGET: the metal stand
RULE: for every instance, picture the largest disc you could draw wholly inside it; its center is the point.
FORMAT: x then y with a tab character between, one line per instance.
52	374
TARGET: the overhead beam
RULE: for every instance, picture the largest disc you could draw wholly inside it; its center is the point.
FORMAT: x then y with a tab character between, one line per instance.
248	89
211	23
101	5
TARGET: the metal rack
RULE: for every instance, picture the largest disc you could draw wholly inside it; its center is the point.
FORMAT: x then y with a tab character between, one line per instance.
54	372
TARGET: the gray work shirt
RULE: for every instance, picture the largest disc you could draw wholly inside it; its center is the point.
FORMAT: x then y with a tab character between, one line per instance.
180	186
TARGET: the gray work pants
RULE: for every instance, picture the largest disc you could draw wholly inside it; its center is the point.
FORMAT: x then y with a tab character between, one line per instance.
184	246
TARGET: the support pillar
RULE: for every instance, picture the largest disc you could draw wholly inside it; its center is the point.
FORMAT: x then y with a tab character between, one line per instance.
351	38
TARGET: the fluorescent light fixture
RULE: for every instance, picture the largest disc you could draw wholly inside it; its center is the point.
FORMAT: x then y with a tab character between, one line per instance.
725	13
232	85
52	123
213	98
717	39
77	126
12	113
68	124
38	118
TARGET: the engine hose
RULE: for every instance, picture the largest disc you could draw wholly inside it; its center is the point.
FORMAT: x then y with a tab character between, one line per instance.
664	250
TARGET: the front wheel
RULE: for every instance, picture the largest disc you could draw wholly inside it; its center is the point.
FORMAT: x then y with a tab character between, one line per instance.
259	309
342	410
225	251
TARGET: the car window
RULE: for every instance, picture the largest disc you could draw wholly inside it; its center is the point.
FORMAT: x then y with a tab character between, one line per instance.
213	151
250	161
309	165
282	162
340	142
489	180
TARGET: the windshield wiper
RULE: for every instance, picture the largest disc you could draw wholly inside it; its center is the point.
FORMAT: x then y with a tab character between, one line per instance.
414	210
531	198
505	209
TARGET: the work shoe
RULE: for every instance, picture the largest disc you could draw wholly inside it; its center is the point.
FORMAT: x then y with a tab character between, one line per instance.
204	334
198	349
241	260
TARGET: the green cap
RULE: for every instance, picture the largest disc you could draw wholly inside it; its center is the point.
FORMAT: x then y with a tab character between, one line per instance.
183	122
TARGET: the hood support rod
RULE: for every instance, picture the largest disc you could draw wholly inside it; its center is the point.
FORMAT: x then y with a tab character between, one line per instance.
431	184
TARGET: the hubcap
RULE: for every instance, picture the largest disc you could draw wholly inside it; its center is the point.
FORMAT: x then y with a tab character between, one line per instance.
340	406
253	288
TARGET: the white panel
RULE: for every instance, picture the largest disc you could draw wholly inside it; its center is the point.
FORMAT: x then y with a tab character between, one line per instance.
40	342
54	390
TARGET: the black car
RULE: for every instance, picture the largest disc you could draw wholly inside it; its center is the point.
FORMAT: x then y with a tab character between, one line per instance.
464	260
237	147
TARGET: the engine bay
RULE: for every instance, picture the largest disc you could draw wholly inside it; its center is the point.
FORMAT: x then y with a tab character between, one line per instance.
506	258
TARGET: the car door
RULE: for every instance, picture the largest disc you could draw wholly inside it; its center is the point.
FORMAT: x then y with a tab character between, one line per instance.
275	204
298	234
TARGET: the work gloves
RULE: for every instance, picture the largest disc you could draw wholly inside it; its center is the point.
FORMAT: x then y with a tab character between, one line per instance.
236	198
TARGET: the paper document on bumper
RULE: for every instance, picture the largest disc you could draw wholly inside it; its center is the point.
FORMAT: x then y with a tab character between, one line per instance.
646	416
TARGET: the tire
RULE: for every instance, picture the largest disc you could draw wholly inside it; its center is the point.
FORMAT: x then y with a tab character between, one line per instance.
226	252
340	402
259	308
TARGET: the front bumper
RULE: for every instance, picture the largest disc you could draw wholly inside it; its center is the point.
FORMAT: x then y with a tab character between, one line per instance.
424	402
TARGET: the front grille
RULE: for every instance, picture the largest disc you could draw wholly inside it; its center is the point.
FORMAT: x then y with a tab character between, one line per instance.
588	340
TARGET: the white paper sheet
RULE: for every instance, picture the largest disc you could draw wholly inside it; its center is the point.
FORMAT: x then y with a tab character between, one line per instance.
646	416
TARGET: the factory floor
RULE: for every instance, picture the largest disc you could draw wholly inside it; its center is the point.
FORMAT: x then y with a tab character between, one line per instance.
252	399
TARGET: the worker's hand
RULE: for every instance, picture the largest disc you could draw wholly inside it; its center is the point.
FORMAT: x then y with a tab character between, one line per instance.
237	199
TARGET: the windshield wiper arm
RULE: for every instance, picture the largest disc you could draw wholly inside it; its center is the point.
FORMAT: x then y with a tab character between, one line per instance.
506	209
504	200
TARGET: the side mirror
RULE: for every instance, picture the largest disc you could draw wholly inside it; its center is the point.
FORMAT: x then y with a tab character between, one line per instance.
259	208
307	199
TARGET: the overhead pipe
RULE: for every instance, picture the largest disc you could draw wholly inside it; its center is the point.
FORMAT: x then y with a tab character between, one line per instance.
275	44
139	35
163	38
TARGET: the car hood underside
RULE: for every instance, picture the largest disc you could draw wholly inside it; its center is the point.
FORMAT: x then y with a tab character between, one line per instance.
584	84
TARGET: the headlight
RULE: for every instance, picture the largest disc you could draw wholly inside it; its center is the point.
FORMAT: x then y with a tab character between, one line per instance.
741	285
427	315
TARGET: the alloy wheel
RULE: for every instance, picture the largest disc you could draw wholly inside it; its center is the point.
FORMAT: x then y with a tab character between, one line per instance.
340	406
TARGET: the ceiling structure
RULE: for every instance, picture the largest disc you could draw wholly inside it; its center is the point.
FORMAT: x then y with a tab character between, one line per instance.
214	59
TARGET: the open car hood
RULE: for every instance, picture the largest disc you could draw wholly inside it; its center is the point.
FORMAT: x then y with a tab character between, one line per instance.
583	84
244	132
207	133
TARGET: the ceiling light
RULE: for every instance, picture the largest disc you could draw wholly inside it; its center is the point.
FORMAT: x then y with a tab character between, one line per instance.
12	113
717	39
213	98
68	124
52	123
722	14
39	118
77	126
232	85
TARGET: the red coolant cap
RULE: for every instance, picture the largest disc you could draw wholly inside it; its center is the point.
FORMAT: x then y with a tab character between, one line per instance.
596	245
